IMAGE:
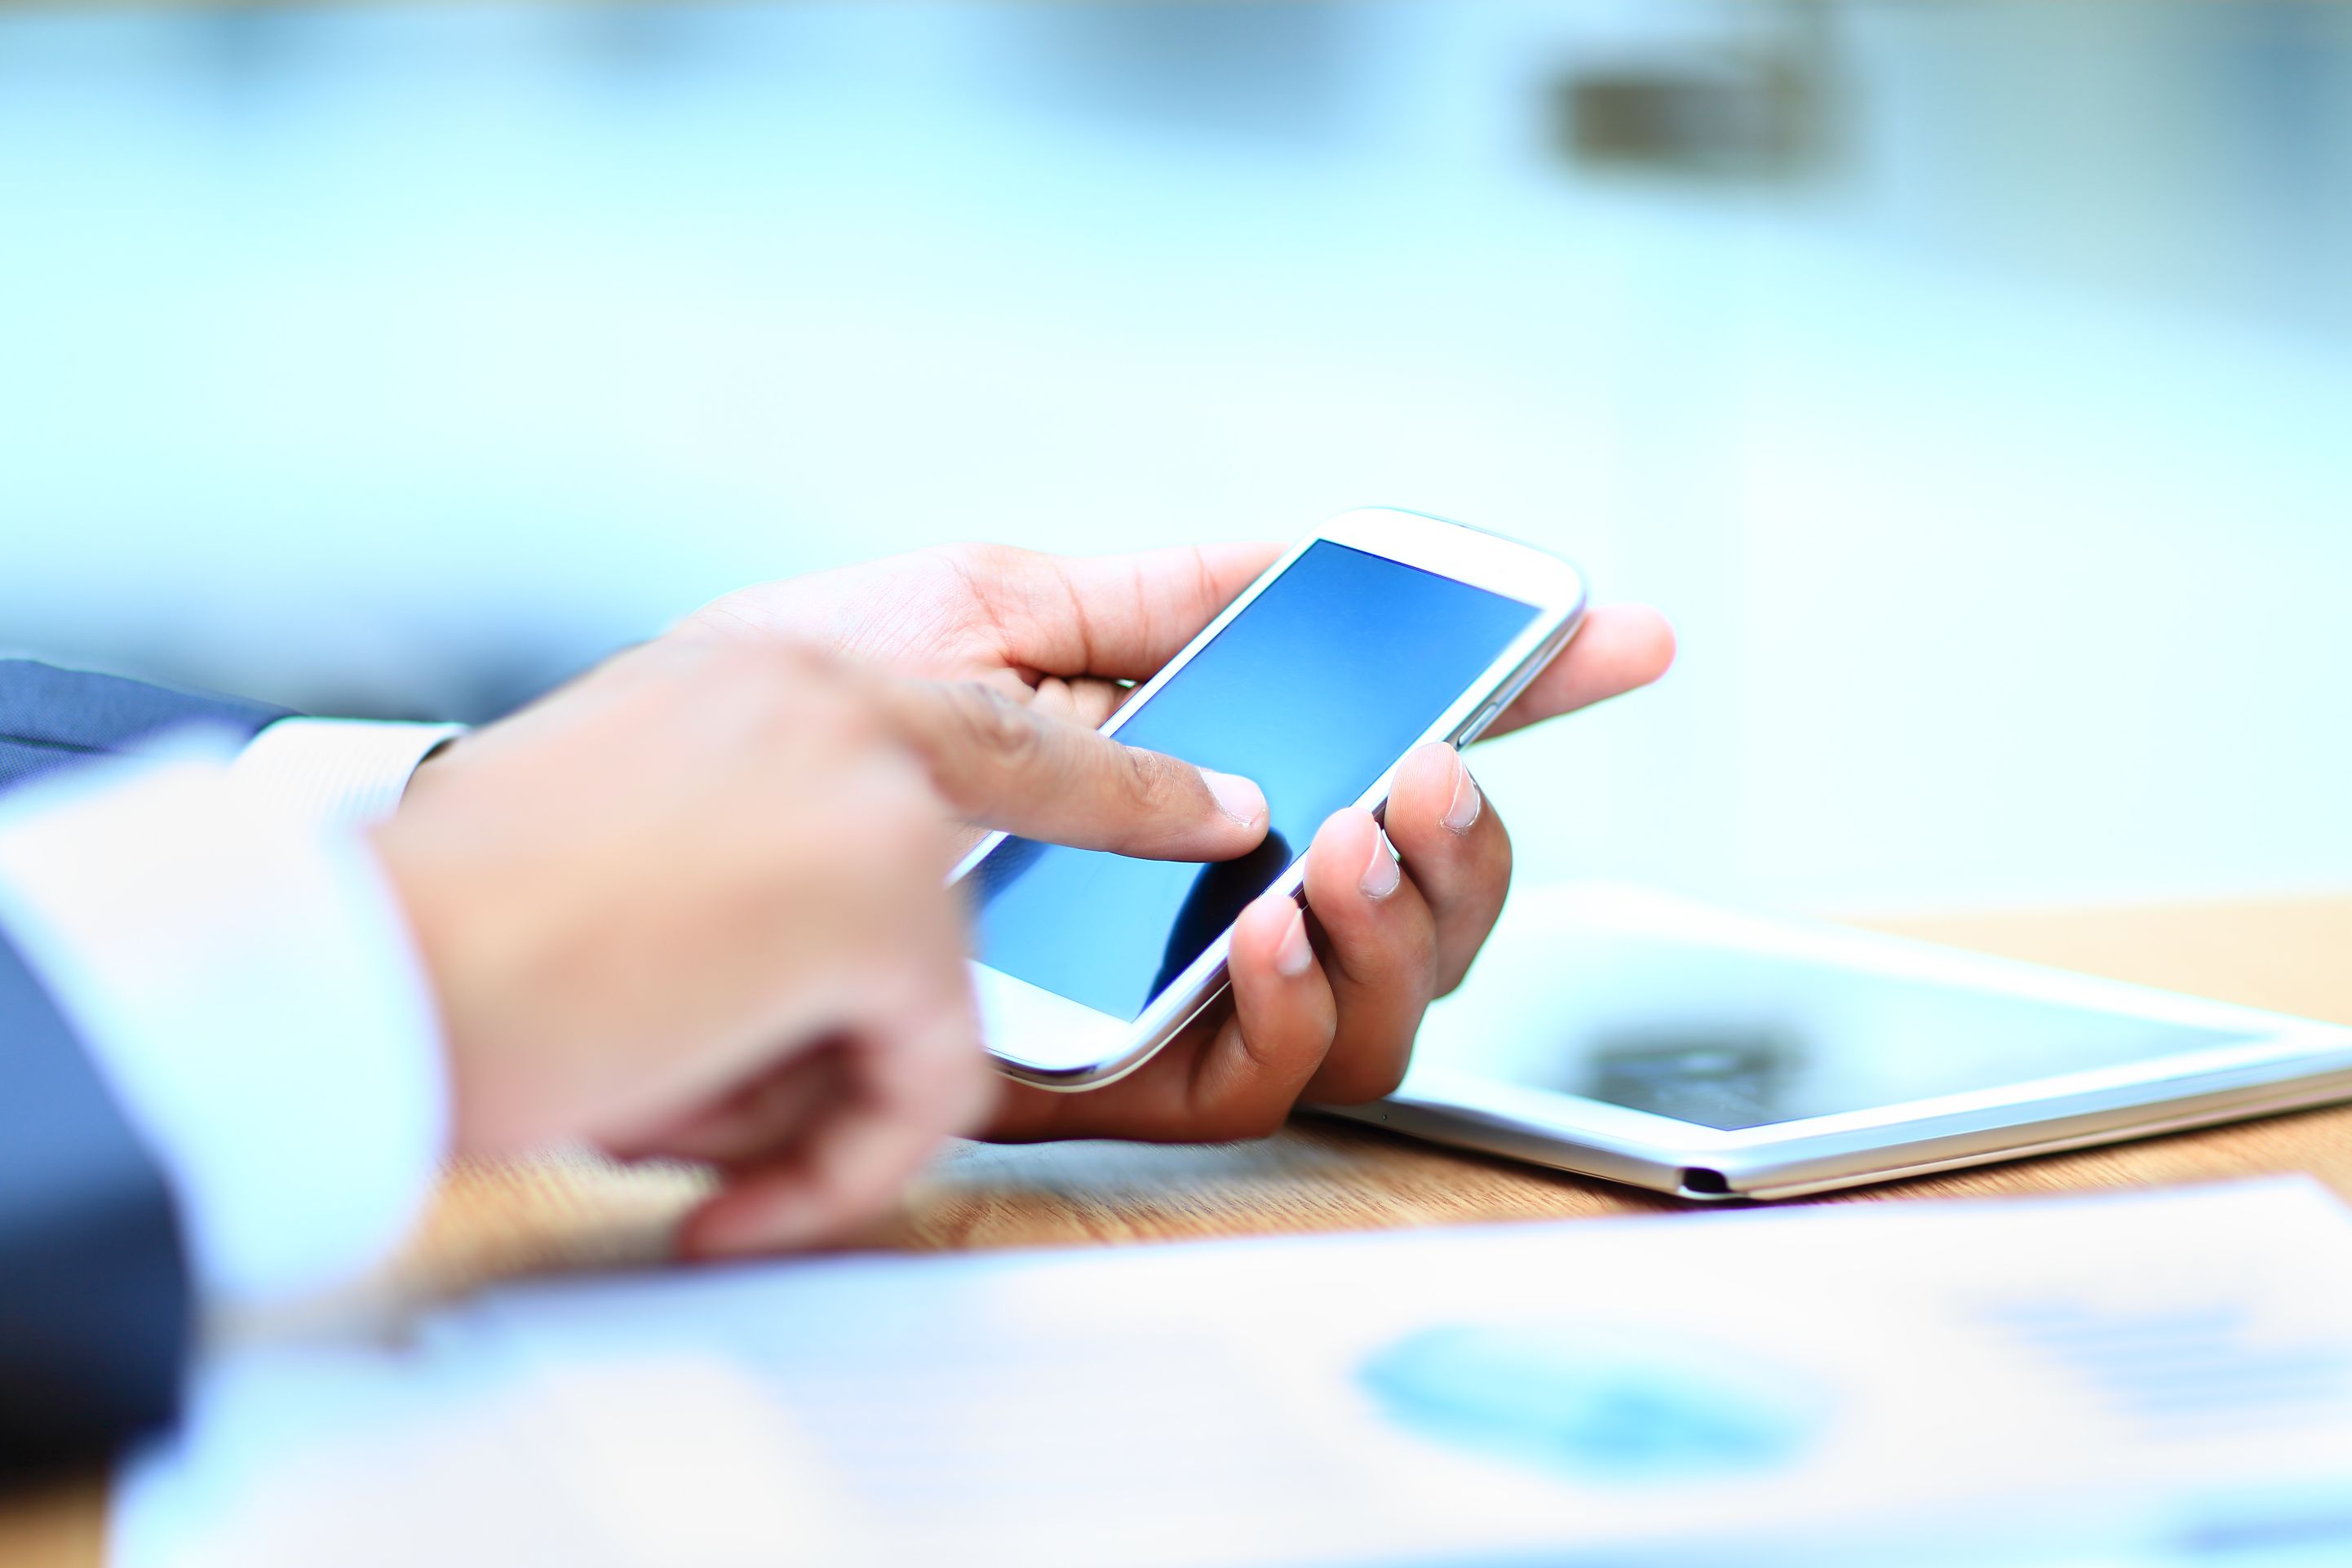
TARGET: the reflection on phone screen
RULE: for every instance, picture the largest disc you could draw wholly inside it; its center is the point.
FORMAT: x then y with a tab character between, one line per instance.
1314	690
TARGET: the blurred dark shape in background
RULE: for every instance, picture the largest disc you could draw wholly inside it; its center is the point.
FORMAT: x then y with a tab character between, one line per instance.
1761	106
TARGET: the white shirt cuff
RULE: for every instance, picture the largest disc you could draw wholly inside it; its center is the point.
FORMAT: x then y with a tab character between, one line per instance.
349	772
247	986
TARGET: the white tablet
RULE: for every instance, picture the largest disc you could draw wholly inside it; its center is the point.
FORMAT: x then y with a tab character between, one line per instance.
1625	1033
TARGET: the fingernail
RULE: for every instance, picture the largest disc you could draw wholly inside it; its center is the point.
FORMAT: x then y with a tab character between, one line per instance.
1463	810
1237	797
1295	952
1382	873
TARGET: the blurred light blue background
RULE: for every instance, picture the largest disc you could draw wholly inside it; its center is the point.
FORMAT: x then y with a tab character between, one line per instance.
1972	383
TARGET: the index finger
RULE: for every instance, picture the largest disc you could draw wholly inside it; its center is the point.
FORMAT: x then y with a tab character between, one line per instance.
1007	764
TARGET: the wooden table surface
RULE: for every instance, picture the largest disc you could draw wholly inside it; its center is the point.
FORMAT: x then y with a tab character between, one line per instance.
496	1222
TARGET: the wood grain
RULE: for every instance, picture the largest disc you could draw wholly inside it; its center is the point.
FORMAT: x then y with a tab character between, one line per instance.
2290	955
557	1213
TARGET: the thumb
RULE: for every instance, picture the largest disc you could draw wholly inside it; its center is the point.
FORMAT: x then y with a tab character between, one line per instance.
1001	764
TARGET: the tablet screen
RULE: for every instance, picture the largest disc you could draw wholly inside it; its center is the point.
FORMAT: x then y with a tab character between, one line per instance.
1729	1037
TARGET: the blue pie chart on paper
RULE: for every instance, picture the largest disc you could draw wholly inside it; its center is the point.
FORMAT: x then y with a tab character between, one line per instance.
1620	1410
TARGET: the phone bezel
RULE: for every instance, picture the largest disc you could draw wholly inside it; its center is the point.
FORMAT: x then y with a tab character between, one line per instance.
1068	1046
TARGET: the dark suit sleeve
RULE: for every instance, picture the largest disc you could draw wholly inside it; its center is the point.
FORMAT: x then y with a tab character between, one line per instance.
51	717
94	1289
94	1285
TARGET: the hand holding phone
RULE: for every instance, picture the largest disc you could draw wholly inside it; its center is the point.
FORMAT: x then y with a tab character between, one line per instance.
1383	632
1071	636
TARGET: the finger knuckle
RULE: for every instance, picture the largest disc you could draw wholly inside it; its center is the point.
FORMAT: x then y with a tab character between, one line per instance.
997	725
984	570
1418	946
1396	960
1156	783
980	558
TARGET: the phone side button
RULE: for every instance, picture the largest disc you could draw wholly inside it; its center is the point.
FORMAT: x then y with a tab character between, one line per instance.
1477	724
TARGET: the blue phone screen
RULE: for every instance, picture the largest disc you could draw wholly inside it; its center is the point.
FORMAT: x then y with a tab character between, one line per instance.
1314	690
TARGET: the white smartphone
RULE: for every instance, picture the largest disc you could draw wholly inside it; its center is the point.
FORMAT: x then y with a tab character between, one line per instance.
1381	631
